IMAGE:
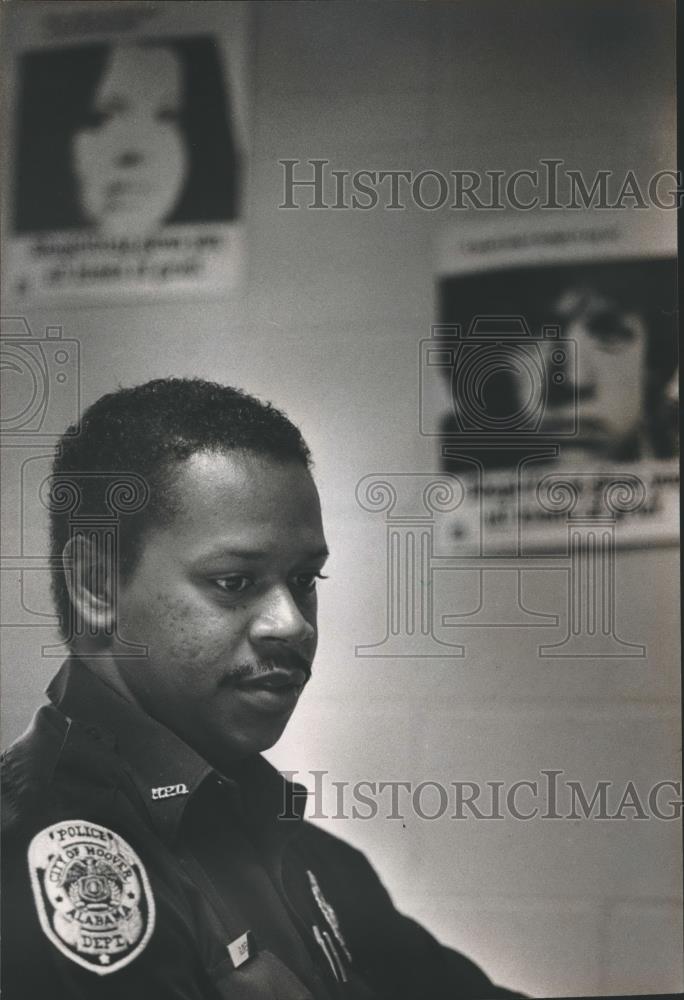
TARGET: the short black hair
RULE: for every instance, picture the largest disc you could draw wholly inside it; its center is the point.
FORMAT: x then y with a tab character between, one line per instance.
138	435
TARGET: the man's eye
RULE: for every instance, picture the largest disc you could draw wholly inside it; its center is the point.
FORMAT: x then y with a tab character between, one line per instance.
233	584
307	581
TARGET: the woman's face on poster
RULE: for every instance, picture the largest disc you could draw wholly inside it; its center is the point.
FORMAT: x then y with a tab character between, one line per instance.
132	162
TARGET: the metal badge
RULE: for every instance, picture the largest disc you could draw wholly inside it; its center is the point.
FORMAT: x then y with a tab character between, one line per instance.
92	894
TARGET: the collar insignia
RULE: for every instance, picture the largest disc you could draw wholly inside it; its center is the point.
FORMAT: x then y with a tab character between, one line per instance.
168	791
92	894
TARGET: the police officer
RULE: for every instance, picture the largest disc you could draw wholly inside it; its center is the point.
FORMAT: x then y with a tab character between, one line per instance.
149	850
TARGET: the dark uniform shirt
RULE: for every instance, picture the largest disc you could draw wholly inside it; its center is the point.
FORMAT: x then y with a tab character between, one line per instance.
133	870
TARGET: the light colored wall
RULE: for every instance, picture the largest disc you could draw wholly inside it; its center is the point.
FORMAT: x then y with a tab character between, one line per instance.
328	328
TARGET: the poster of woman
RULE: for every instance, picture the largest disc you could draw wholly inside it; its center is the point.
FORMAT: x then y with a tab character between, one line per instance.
128	169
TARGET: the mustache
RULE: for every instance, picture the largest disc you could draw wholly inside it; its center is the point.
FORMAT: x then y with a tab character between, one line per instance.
262	667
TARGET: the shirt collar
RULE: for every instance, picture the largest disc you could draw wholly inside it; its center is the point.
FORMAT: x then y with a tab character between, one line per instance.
166	771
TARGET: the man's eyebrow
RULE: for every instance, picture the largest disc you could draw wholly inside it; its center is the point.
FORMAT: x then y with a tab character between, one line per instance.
254	555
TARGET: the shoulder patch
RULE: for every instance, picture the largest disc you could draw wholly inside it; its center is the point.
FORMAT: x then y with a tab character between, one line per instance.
92	894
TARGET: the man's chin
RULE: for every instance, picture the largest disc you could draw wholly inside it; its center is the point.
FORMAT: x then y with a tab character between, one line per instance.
234	746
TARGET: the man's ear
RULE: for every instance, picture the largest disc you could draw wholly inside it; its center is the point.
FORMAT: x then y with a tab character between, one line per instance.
90	576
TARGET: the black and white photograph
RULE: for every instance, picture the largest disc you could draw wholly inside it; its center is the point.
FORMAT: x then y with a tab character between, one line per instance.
339	533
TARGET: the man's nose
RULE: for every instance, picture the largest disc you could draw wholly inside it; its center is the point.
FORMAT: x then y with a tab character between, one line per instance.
280	619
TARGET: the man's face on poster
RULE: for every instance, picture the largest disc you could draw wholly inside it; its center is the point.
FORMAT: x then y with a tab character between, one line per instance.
131	163
608	378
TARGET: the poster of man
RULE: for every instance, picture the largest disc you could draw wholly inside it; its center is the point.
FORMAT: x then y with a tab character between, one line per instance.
553	360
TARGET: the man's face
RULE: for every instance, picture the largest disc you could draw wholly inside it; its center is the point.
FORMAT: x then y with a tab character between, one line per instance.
610	373
224	597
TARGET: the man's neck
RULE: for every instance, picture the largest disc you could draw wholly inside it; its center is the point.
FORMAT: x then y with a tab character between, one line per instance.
104	664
